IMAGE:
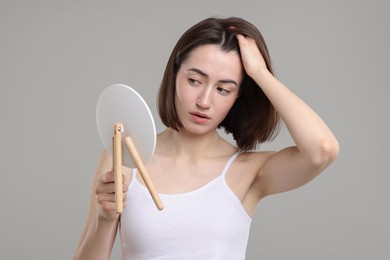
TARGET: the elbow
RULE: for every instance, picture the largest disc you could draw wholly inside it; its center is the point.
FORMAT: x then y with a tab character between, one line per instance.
327	152
331	149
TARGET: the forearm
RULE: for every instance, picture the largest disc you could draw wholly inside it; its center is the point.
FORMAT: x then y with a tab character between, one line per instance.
311	135
98	240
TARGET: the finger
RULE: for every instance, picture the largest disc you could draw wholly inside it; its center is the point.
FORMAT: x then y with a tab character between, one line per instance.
109	188
103	188
125	184
242	42
110	177
124	199
240	37
107	177
243	37
106	198
108	207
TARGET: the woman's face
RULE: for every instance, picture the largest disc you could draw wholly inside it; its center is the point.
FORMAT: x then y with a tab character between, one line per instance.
207	85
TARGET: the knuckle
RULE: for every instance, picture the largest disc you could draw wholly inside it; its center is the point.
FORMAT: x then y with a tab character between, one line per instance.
110	176
125	188
100	200
107	208
99	189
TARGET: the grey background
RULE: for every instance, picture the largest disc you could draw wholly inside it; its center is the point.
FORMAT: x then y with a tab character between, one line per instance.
57	56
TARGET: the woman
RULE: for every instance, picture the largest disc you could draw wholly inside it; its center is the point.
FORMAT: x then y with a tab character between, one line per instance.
218	75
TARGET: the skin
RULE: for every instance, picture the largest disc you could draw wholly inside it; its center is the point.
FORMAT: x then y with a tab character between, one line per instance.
207	86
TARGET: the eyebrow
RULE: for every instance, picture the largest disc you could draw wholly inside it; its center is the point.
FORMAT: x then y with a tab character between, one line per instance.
207	76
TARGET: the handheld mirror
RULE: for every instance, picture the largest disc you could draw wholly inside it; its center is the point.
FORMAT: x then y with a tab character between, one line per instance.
122	115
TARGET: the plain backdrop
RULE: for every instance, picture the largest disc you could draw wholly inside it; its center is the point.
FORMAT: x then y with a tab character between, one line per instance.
56	57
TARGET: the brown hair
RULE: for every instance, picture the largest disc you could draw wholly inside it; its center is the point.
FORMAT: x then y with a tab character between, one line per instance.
252	119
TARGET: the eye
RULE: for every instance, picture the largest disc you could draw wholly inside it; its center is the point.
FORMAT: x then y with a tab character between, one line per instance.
194	82
223	91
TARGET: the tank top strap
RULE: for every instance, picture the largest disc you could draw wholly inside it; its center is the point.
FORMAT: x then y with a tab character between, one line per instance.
133	174
229	162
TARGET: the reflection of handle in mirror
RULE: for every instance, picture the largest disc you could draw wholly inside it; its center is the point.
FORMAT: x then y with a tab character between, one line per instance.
117	166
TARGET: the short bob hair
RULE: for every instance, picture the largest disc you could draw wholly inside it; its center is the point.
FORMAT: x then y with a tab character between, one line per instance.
252	118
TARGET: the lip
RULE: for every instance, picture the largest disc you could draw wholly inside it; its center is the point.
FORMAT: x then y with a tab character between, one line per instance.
199	117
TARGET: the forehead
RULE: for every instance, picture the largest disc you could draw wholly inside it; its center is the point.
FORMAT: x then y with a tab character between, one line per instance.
215	62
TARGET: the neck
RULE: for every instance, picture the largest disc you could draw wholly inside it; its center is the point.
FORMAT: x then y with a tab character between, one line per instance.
190	146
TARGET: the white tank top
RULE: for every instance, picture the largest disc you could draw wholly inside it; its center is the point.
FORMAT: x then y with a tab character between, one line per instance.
207	223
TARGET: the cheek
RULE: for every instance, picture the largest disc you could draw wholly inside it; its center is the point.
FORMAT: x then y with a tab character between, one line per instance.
184	92
181	98
179	89
226	106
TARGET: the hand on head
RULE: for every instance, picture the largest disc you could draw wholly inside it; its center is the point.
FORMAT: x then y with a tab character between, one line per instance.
251	57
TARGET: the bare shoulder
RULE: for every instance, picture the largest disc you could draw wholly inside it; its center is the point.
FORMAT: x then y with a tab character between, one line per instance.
244	171
243	179
249	163
254	159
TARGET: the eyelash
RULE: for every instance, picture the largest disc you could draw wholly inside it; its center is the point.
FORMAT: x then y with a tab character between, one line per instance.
193	82
222	91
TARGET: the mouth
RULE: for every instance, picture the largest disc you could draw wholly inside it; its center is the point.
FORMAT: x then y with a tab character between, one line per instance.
200	118
200	115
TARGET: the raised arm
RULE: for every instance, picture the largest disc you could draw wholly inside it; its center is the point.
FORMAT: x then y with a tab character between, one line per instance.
100	229
316	146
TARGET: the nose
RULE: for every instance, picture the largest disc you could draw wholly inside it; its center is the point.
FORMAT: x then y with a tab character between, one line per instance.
204	98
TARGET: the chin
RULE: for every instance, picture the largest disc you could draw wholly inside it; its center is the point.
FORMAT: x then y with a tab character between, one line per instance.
198	129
